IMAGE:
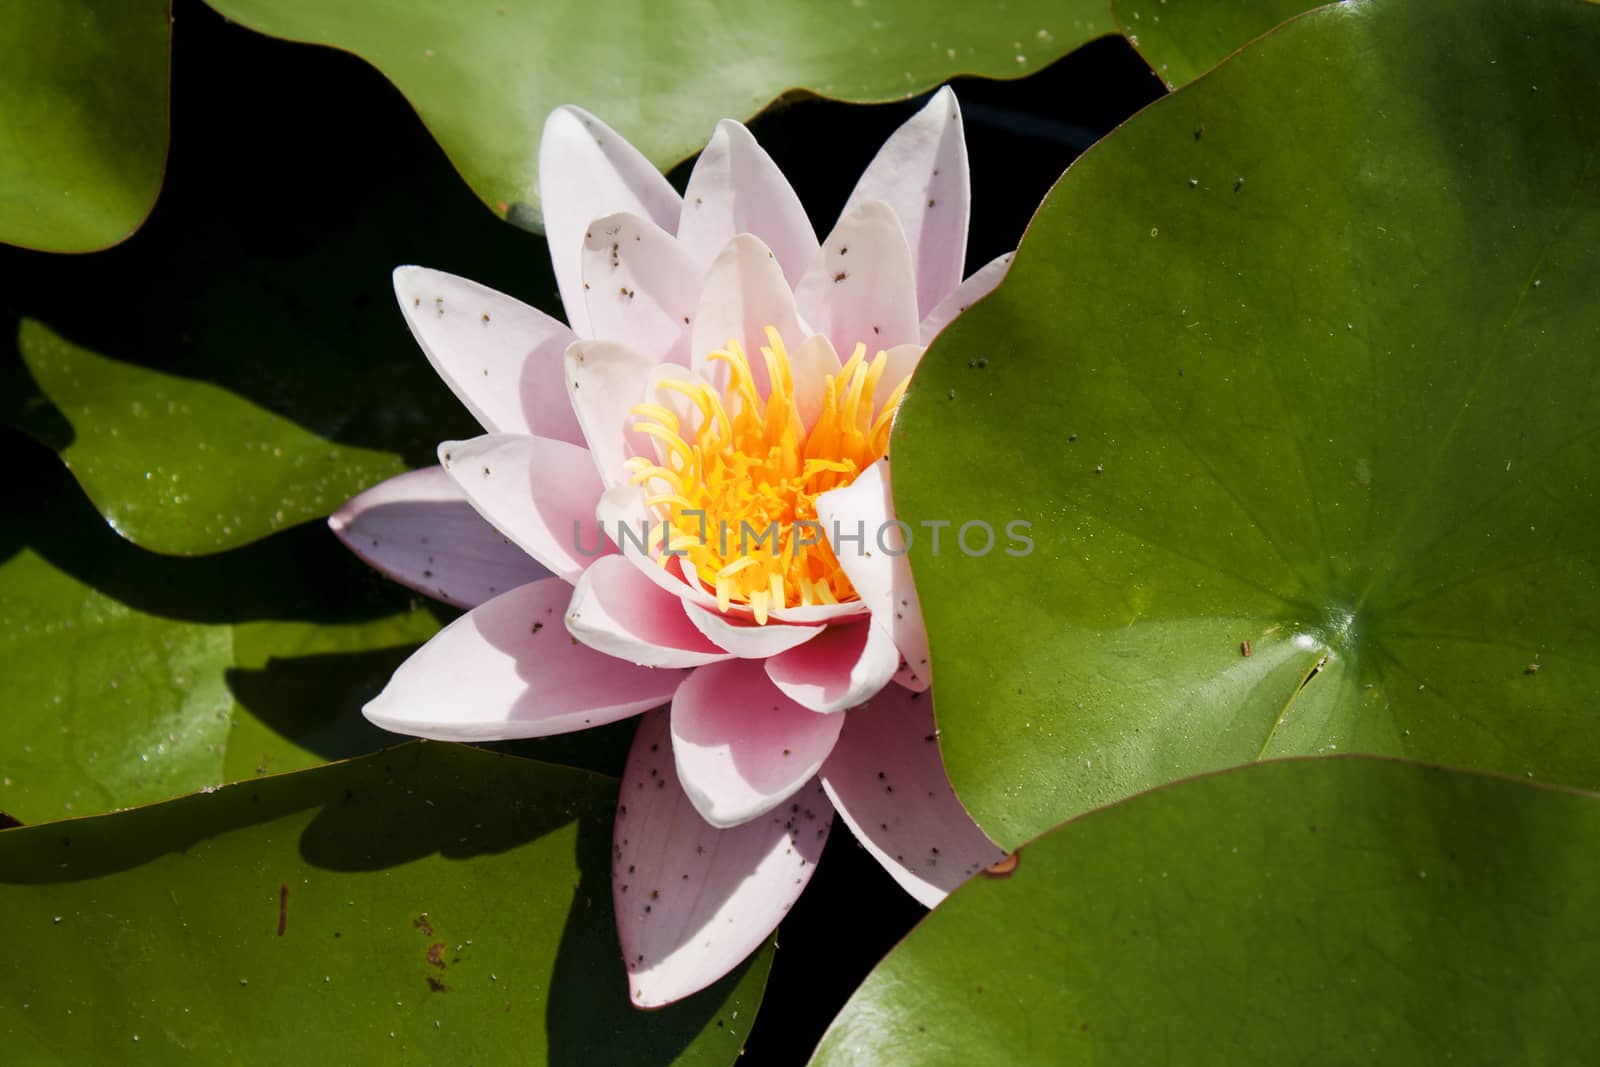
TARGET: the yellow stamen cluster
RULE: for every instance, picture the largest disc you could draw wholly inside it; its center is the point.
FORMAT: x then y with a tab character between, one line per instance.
741	465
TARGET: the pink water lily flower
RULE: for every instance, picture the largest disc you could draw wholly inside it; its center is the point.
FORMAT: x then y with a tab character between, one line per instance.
723	372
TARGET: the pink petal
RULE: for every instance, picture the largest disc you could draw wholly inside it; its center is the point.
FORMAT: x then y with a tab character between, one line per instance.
736	188
640	287
510	669
604	382
888	781
539	493
837	670
811	363
627	522
881	574
687	412
969	292
619	611
741	747
499	356
921	172
586	172
691	900
745	639
811	614
862	287
901	361
744	293
418	529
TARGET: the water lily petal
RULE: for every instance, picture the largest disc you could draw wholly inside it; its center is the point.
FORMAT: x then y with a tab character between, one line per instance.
741	747
510	669
691	900
418	529
688	414
901	361
640	287
736	188
811	363
604	381
619	611
587	171
810	614
744	293
921	172
888	781
745	639
499	356
538	492
969	292
838	669
862	286
881	574
627	522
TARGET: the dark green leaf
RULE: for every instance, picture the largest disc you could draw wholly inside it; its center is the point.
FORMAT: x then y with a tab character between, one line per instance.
83	133
432	902
484	78
1302	356
131	677
184	491
1314	912
1182	39
244	350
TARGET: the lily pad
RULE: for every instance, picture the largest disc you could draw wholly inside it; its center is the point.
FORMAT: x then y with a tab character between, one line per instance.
83	134
244	350
431	902
1182	39
185	491
131	677
1314	912
1294	376
483	78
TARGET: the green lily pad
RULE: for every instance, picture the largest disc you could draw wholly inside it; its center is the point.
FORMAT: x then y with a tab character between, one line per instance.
483	78
1295	378
184	491
432	902
1182	39
83	134
1314	912
131	677
244	350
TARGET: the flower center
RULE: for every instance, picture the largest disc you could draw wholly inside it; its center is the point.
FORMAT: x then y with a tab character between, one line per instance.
737	479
